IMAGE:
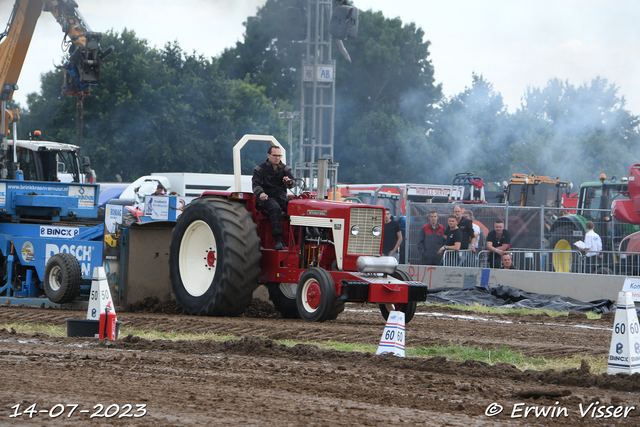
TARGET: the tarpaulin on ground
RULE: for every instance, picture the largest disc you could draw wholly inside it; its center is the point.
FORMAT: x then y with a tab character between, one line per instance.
507	297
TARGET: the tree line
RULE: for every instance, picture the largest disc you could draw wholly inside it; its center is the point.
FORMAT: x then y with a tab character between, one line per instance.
166	110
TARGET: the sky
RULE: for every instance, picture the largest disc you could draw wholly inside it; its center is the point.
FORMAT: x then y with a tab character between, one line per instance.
514	44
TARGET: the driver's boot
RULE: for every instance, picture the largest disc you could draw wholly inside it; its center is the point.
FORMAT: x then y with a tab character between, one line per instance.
279	245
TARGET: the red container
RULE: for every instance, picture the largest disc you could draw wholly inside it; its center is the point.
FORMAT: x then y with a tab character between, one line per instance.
107	327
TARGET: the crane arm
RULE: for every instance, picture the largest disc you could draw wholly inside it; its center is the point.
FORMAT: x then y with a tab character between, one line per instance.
15	42
81	70
83	67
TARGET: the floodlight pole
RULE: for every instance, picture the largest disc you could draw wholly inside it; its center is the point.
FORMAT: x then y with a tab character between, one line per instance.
317	98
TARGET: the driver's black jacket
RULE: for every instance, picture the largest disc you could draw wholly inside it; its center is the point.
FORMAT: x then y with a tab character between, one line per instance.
267	180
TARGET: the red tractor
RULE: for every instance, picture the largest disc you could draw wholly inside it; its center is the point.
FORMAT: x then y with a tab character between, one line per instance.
222	249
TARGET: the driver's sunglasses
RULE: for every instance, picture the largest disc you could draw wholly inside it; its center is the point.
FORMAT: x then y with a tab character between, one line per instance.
276	155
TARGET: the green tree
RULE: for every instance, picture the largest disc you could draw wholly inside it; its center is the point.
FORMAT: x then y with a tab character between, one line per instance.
396	159
587	130
471	128
156	111
266	56
390	69
390	75
390	78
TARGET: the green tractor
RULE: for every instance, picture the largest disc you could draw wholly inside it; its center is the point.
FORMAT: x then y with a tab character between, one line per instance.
594	204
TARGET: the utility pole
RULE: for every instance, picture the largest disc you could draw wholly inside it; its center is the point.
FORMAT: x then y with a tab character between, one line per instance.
290	116
317	99
79	121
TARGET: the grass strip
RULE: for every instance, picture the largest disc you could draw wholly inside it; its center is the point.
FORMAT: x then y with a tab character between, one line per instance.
456	353
479	308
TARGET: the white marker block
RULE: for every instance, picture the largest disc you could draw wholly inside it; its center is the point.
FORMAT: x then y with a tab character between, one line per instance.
624	353
392	340
100	296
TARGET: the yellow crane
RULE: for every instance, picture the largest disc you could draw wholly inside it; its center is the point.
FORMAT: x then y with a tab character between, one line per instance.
81	70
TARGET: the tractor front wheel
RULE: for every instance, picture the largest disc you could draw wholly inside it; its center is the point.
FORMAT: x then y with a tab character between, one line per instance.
408	308
315	295
283	297
338	307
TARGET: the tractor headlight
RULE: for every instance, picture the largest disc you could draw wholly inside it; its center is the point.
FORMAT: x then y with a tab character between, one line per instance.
355	230
376	231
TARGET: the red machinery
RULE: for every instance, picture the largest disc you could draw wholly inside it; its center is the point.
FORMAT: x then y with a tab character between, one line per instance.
222	248
628	211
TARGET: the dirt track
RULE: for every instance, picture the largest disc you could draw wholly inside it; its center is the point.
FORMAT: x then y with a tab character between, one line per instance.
255	381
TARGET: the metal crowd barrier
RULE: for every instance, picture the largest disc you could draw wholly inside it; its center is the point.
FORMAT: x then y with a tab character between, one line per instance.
531	237
611	262
462	258
530	260
545	260
605	262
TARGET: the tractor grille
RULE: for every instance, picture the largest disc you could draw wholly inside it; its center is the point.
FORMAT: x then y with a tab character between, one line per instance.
365	243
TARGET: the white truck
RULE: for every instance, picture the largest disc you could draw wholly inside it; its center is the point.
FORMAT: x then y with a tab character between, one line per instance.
194	184
185	184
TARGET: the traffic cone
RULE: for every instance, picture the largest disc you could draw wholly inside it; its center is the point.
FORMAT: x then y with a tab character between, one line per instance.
624	352
100	296
392	340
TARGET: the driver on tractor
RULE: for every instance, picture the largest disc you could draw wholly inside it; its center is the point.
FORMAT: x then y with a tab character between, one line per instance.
270	182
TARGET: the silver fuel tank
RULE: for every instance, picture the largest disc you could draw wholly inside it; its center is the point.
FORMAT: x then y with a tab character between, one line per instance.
377	264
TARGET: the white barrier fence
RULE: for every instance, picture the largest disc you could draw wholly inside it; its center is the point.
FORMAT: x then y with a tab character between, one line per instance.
542	238
603	262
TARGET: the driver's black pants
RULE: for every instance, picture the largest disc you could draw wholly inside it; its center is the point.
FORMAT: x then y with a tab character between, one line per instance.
273	208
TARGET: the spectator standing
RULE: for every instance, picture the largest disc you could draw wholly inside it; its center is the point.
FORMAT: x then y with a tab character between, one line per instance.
453	236
392	237
270	182
507	264
592	247
498	242
476	232
468	238
431	240
466	228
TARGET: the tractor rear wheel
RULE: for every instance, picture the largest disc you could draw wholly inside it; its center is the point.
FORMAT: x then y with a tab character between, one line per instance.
283	297
214	258
315	295
62	278
408	308
562	239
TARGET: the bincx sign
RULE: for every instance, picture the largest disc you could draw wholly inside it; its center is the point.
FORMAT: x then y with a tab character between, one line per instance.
59	231
324	73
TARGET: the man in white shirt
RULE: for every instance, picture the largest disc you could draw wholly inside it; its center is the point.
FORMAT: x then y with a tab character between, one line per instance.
592	247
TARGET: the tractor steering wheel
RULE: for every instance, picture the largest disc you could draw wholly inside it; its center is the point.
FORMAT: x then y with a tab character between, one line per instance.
299	188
